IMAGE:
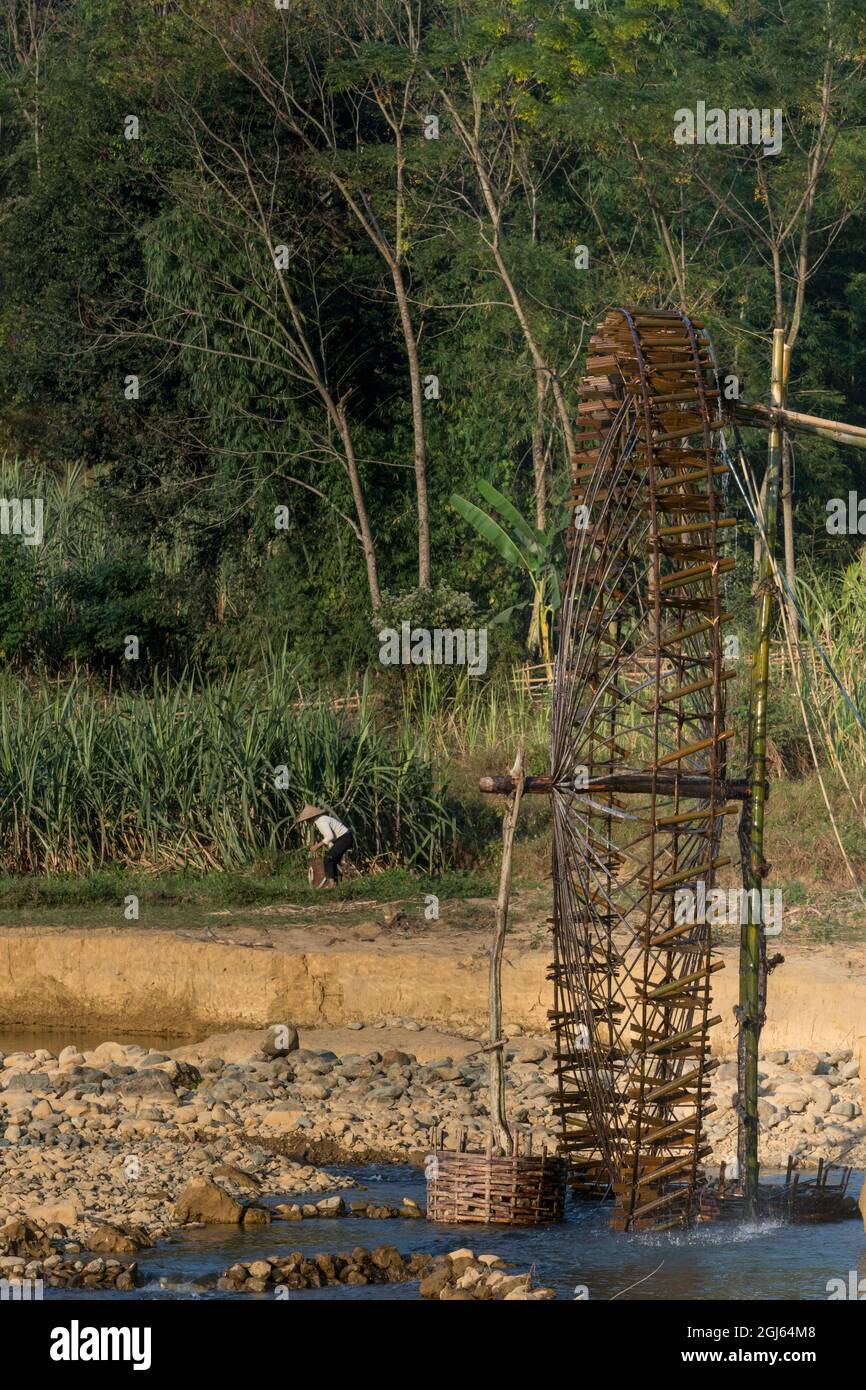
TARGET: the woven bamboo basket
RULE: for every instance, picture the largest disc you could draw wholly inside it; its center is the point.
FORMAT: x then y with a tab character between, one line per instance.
513	1190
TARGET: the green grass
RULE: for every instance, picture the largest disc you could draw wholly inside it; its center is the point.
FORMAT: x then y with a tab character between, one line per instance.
260	886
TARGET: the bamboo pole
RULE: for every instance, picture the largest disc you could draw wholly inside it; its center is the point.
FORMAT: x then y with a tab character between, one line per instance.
639	783
752	939
768	417
502	1137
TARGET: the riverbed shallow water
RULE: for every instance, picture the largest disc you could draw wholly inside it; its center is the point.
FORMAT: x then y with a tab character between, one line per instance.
728	1262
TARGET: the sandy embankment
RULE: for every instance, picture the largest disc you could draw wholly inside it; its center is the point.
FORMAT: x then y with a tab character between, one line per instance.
162	983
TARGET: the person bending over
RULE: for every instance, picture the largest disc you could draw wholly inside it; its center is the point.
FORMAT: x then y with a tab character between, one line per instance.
336	839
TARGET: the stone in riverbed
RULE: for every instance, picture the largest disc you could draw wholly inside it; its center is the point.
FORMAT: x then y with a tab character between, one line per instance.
65	1213
240	1176
439	1277
152	1082
283	1118
203	1200
280	1039
804	1063
257	1216
115	1240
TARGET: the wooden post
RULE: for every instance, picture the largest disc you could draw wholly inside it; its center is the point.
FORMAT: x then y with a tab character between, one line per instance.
752	940
502	1137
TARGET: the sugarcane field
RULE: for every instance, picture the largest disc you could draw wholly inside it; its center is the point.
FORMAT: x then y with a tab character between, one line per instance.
432	672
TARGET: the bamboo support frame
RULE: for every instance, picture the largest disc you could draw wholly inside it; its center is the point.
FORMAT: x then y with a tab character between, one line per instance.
778	417
752	939
501	1134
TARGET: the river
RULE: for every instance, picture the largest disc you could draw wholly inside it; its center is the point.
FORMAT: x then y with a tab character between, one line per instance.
739	1262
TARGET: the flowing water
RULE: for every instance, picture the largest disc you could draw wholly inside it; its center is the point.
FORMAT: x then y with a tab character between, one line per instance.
743	1262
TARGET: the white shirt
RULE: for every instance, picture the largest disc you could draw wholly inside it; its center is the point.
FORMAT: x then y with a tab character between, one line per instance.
330	828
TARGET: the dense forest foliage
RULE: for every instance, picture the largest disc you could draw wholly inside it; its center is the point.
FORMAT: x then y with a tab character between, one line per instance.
278	279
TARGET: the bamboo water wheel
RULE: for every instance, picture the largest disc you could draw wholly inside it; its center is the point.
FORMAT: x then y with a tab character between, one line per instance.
639	780
639	760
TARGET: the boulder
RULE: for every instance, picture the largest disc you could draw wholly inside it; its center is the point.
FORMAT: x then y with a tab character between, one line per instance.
280	1039
204	1200
257	1216
437	1280
239	1176
117	1240
804	1063
151	1082
21	1238
283	1118
64	1213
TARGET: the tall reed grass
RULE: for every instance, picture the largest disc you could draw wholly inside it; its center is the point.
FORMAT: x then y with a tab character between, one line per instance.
461	716
190	773
835	609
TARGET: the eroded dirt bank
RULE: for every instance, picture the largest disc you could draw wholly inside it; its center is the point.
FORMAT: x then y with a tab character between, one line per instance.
168	983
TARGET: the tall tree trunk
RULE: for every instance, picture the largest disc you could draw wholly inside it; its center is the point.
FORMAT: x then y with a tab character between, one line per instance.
367	544
417	424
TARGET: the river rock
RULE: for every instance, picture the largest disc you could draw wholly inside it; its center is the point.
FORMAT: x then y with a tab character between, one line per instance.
114	1240
204	1200
768	1114
282	1119
62	1213
280	1039
255	1215
804	1063
146	1083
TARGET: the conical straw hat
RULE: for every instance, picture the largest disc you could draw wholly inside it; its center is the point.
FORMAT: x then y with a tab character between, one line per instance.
309	813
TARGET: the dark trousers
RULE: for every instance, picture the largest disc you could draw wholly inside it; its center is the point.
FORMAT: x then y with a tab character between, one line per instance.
334	854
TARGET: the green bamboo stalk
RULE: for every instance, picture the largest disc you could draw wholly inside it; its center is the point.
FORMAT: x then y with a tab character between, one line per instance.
752	940
795	421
